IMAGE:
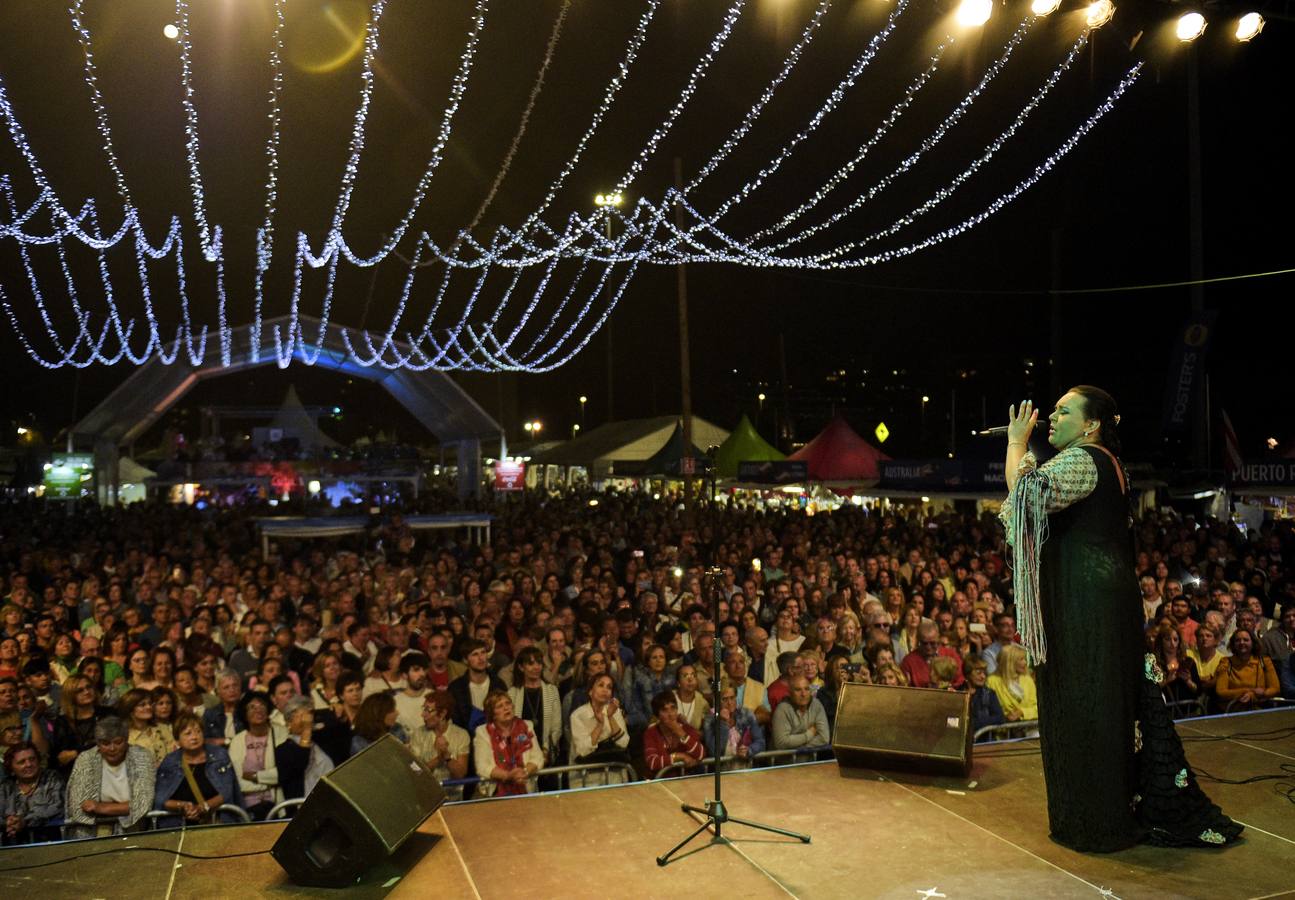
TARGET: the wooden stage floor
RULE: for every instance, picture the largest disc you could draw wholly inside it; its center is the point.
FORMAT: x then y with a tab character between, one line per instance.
874	835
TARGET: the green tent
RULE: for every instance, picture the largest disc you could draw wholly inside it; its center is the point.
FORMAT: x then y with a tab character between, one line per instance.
743	445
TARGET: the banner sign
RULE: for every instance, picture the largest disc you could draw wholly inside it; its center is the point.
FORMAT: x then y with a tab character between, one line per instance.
65	474
781	471
1185	371
1265	472
510	475
943	474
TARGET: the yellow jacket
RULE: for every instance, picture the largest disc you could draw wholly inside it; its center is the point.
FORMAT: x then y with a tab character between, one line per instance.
1029	702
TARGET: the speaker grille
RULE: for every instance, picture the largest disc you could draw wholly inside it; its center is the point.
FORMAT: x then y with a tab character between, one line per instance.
389	788
917	726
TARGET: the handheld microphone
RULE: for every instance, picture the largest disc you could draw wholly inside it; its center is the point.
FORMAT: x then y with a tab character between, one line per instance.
997	429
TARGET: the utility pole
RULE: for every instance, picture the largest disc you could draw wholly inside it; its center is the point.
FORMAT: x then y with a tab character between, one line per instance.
685	367
1196	247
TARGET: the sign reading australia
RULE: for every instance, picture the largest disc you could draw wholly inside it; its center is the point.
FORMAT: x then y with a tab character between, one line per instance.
939	474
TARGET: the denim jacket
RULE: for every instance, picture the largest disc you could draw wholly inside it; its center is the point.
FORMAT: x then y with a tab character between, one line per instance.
220	772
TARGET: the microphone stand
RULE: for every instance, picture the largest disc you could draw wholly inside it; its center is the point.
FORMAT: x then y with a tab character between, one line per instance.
715	812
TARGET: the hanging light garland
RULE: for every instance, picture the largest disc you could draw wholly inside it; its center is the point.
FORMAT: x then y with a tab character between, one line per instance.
647	232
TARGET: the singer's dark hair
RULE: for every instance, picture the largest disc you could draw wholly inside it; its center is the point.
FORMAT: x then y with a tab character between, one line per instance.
1101	406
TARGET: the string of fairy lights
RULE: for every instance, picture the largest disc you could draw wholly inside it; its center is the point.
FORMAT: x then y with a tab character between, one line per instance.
499	325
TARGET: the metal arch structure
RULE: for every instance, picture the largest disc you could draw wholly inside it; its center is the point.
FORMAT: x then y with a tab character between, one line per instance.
432	397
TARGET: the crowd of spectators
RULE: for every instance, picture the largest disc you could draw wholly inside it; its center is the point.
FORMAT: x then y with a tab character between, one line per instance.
150	659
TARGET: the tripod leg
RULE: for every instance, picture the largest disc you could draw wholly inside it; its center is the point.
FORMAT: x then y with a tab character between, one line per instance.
803	838
662	860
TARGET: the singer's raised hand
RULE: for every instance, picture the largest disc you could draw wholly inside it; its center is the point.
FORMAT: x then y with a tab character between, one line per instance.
1020	423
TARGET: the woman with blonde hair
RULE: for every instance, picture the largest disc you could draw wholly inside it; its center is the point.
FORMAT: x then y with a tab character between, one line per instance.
889	673
849	636
1014	686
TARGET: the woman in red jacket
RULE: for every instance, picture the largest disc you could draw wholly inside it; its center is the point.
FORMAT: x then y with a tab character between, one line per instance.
670	740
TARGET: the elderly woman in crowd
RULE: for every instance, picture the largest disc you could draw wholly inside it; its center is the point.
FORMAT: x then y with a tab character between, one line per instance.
221	723
252	751
136	708
599	732
505	750
30	797
111	785
1246	681
195	779
740	735
670	741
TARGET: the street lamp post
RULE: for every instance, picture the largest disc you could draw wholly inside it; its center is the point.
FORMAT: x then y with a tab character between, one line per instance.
583	401
759	409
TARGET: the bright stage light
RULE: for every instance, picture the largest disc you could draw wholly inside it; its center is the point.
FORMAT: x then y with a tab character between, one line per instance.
1190	26
1249	26
1044	7
170	32
974	13
1100	12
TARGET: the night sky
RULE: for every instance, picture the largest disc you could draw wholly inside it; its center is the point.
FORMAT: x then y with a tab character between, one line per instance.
957	320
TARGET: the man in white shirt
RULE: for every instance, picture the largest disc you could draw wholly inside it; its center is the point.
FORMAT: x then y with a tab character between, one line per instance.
409	702
360	644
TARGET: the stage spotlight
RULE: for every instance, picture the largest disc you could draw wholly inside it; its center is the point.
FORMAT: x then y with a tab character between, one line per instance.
974	13
1249	25
1044	7
1190	26
1100	12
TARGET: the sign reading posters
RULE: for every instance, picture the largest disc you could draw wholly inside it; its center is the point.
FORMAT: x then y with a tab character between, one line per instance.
65	474
510	475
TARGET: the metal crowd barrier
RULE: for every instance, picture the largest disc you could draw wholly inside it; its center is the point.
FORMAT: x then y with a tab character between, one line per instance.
153	815
764	757
605	769
1006	729
280	810
1185	709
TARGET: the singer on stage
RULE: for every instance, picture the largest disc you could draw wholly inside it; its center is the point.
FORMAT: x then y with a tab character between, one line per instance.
1112	762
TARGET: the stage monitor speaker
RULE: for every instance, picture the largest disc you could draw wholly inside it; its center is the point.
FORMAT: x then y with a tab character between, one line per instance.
357	815
903	728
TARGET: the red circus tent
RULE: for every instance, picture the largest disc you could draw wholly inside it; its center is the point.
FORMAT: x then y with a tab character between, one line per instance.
839	454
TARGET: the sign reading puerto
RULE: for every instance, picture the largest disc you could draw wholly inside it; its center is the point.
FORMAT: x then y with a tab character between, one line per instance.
510	475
